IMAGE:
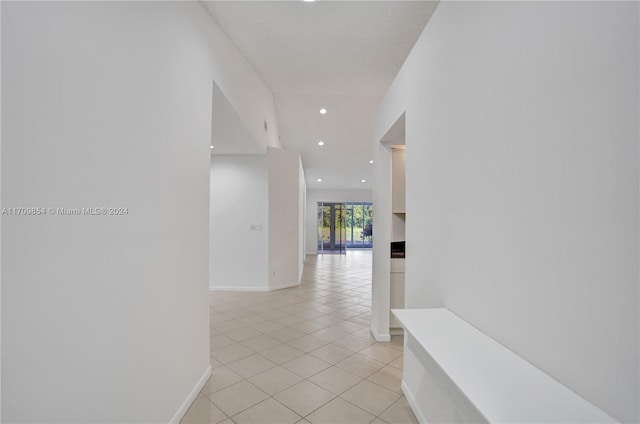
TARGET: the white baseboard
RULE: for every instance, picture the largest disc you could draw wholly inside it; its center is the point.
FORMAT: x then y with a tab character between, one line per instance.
380	337
242	289
411	400
284	286
253	289
192	396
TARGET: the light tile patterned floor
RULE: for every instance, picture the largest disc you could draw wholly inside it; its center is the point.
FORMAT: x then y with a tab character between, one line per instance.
303	354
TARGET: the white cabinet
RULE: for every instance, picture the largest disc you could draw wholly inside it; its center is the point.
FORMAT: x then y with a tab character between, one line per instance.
397	290
398	156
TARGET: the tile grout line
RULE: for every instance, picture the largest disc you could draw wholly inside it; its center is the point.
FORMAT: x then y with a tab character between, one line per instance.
332	306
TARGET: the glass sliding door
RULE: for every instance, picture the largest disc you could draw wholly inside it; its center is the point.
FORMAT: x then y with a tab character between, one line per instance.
322	226
349	224
331	228
353	228
367	225
359	225
344	225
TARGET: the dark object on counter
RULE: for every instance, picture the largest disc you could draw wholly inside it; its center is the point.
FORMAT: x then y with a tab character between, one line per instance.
397	249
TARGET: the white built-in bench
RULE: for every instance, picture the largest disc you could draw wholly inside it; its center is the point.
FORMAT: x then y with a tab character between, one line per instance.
455	373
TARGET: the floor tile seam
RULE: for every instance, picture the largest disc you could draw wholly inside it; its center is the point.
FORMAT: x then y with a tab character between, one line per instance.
311	335
265	370
360	379
322	328
401	394
362	409
286	388
378	415
363	378
249	407
389	407
274	398
259	351
349	372
218	390
316	373
278	364
213	403
307	379
217	406
378	360
336	363
264	400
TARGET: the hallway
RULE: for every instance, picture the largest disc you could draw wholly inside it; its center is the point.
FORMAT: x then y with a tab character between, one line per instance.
302	354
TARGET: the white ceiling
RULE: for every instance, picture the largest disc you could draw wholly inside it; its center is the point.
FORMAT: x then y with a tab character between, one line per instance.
340	55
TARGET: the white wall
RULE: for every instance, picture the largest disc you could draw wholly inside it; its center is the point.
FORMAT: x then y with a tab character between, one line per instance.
244	89
110	104
384	227
398	223
285	193
105	104
0	225
239	196
256	189
398	180
381	268
398	194
522	161
302	216
315	196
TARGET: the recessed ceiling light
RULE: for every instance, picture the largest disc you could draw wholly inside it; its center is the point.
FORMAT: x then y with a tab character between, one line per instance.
323	111
308	1
363	181
212	147
320	143
319	180
371	161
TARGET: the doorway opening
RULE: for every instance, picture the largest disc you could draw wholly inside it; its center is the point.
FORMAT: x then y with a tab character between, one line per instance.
343	226
331	228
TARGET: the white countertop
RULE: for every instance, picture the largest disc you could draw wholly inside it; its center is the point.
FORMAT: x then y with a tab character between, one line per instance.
502	385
